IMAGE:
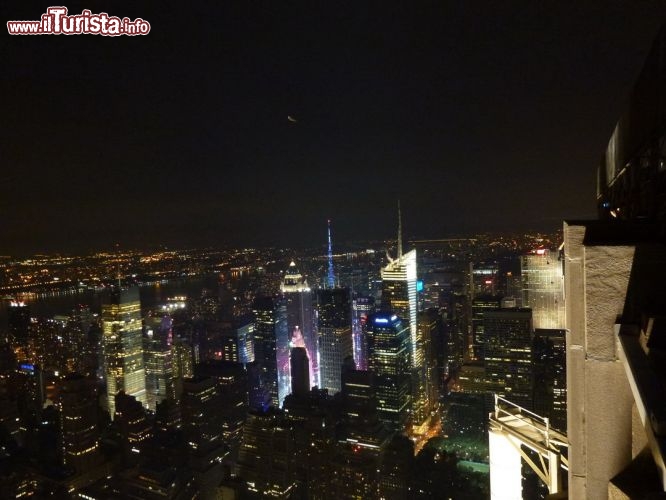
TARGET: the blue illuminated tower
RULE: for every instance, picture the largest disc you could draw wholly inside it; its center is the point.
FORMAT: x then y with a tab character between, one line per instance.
331	276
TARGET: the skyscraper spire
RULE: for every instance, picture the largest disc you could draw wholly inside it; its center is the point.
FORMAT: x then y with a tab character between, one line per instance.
118	264
399	231
331	276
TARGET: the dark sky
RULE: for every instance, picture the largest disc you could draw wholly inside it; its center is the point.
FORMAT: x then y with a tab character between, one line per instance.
478	114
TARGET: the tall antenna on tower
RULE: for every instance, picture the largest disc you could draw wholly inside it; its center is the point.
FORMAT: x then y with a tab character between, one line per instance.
399	231
331	276
118	264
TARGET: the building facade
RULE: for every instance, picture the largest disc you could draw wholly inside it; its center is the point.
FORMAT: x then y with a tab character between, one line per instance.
270	341
542	281
389	360
334	310
300	316
159	361
508	353
122	341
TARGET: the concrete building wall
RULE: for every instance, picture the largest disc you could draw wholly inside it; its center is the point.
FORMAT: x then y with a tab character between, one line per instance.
599	398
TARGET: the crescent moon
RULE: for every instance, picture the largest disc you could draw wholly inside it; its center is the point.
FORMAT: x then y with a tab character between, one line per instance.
292	119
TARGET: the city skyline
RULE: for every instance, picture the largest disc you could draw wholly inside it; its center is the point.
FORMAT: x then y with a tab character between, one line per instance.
251	325
226	122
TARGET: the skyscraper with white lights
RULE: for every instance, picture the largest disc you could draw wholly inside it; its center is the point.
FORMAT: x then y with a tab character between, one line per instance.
399	288
399	297
122	341
158	358
543	287
300	320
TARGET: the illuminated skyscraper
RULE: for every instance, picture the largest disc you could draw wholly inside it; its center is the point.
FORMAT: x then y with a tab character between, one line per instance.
543	288
484	277
454	346
508	353
388	348
550	376
183	364
480	305
298	298
19	328
330	278
124	368
399	297
270	339
335	335
159	362
81	353
361	308
31	391
399	294
245	335
428	329
235	339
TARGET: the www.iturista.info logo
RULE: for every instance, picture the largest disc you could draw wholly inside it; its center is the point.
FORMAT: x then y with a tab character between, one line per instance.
56	22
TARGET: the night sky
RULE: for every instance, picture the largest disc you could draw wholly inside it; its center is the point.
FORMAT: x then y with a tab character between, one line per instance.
477	114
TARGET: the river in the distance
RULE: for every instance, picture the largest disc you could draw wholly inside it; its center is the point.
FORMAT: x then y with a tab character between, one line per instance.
151	295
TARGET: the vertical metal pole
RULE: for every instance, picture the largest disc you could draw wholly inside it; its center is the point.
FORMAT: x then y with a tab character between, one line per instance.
554	474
